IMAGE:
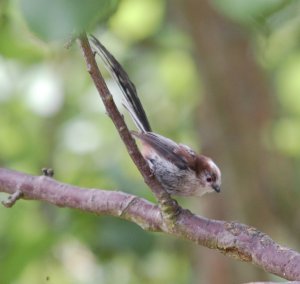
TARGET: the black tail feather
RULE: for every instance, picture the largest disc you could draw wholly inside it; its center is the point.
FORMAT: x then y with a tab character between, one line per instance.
131	99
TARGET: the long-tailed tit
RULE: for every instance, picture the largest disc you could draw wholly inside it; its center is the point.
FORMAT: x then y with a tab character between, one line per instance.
179	169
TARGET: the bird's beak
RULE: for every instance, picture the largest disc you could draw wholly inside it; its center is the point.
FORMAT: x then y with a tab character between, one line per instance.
216	187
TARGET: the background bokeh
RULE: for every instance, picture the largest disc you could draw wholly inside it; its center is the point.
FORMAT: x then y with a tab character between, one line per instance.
222	76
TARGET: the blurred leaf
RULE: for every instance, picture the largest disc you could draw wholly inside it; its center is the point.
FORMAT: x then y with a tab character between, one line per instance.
137	19
247	11
288	84
287	136
59	19
179	73
13	35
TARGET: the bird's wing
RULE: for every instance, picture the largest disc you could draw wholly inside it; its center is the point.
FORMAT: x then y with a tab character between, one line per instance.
180	155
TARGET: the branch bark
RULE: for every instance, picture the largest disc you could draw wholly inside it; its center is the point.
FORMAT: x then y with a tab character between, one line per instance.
231	238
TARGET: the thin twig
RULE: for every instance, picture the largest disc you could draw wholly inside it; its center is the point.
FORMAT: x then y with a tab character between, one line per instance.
12	199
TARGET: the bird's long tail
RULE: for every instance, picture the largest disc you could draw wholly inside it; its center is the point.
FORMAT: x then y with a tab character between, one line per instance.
131	100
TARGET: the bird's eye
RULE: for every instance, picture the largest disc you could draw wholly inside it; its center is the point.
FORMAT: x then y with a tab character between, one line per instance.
209	179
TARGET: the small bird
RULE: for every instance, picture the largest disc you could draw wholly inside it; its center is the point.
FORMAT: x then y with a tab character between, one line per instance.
179	169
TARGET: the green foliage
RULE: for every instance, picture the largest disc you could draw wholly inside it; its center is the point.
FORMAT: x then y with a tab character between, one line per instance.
137	19
52	116
59	19
249	12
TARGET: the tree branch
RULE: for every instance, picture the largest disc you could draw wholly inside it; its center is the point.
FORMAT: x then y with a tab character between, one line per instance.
231	238
101	202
